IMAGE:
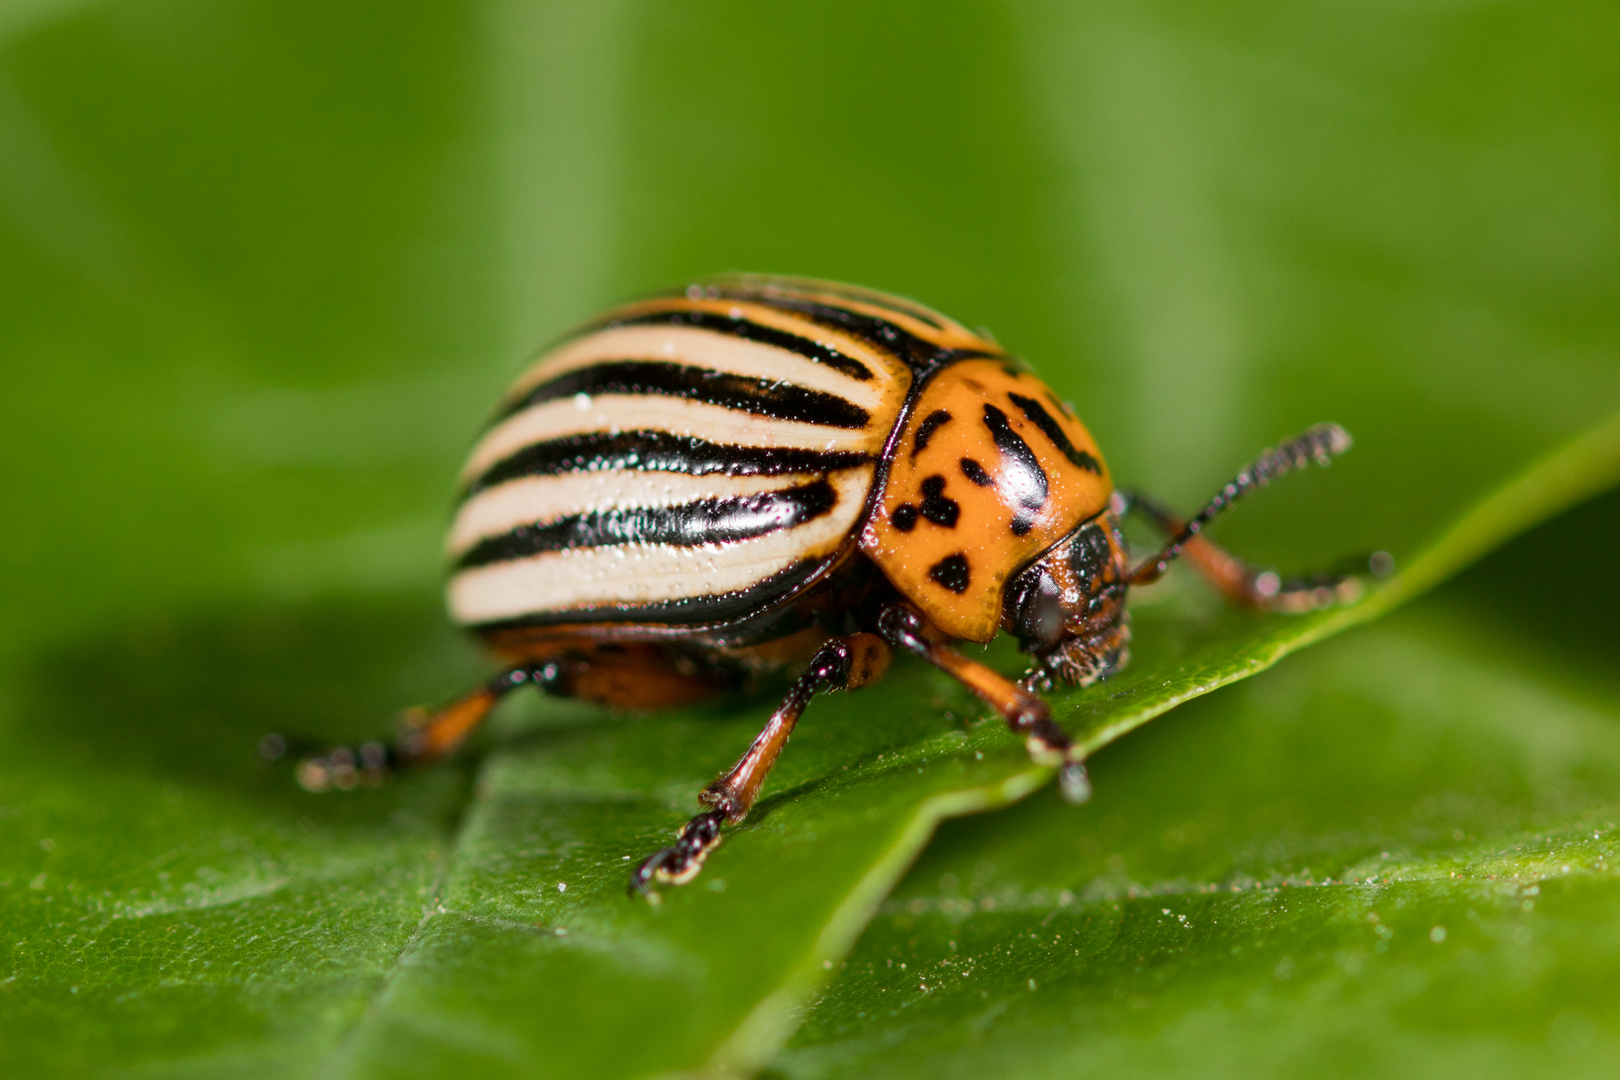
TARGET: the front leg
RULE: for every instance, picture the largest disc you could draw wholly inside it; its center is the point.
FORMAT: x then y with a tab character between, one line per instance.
842	664
1262	590
1246	586
1026	714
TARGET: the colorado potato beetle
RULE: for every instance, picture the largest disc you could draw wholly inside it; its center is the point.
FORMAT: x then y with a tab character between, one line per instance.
754	472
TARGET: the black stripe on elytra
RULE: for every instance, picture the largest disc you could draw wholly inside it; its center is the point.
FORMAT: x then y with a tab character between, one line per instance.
706	521
705	610
918	354
760	397
1020	472
749	330
887	303
925	430
1049	427
659	451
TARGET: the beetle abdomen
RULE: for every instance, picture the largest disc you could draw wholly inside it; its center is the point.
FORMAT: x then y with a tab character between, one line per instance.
685	460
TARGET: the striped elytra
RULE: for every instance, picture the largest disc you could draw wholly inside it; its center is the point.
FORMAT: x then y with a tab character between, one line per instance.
758	472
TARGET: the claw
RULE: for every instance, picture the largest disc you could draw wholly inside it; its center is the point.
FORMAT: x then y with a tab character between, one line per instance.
1074	784
345	769
648	871
411	732
680	863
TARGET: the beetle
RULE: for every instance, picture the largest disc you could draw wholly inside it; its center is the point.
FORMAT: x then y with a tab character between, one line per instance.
755	472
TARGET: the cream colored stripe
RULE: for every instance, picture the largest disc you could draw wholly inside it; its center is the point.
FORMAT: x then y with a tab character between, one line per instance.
614	413
702	348
534	500
647	573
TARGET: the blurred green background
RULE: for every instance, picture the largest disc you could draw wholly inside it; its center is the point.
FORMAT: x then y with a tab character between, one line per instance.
264	266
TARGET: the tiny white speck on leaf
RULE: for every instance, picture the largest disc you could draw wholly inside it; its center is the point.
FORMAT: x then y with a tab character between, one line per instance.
562	886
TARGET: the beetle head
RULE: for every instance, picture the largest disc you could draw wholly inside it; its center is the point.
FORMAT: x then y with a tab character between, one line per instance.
1067	608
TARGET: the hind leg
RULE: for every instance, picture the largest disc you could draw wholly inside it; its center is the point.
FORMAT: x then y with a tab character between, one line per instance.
422	736
633	676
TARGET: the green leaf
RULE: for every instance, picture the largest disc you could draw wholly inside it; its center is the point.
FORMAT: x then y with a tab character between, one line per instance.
263	266
1396	855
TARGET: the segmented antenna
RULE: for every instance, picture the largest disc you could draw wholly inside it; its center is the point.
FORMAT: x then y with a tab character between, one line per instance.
1320	444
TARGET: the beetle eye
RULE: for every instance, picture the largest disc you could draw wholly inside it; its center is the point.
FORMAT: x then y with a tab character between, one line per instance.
1037	605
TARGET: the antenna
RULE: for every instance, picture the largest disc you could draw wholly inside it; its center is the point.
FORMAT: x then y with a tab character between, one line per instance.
1319	444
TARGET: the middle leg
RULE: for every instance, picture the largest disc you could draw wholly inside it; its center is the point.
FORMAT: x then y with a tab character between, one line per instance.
846	663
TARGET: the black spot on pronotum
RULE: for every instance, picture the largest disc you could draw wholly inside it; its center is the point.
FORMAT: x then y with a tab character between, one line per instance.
925	430
975	472
951	572
1042	419
904	517
1021	474
935	506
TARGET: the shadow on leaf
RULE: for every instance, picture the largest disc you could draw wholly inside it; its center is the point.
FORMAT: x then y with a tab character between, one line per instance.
189	698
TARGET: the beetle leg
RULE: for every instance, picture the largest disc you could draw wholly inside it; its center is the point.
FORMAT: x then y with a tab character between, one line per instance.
423	736
1242	584
846	663
1026	714
1262	590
